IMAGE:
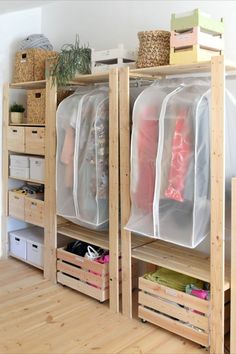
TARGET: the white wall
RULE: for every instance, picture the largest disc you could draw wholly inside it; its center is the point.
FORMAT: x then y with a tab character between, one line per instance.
13	28
104	24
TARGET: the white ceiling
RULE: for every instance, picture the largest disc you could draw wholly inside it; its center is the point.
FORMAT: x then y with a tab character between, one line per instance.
17	5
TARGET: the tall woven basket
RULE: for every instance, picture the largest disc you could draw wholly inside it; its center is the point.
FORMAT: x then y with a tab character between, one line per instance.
154	48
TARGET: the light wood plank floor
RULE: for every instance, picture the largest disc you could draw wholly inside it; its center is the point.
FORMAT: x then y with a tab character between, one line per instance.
39	317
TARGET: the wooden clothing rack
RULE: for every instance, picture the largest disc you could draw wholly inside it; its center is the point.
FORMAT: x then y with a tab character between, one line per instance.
211	269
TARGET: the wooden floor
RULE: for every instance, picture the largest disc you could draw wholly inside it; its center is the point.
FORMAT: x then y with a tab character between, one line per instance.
39	317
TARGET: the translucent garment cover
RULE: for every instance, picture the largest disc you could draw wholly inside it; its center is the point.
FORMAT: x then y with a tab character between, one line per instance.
181	204
82	157
144	142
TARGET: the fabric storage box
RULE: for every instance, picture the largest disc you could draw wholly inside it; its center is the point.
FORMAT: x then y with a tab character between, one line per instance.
35	140
154	48
30	64
16	202
20	161
192	54
176	311
184	21
36	105
37	168
84	275
34	211
17	244
18	172
16	139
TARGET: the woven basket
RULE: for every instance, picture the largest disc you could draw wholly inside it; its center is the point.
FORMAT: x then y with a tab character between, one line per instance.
36	105
30	64
154	48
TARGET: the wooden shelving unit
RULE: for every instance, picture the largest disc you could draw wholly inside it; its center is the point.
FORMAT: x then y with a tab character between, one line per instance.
189	262
6	176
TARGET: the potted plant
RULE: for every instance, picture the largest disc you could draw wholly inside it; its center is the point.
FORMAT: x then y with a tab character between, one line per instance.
72	59
17	113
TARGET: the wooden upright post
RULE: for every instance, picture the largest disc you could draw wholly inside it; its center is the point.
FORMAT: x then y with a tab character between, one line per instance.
217	204
5	167
125	191
114	189
50	231
233	270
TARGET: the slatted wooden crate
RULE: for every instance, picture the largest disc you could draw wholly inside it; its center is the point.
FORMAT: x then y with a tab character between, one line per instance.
176	311
84	275
190	55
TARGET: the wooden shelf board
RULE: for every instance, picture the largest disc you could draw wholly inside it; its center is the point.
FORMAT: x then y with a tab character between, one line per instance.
97	238
24	153
27	180
179	259
26	125
138	240
90	78
28	85
25	261
202	67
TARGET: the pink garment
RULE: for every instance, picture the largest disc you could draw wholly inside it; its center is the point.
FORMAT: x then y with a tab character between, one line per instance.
103	260
67	156
181	152
147	149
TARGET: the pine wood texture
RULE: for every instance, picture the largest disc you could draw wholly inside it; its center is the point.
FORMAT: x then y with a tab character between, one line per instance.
39	317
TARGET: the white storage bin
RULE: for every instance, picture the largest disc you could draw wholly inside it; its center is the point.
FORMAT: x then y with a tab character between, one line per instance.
37	168
18	172
35	253
19	161
17	244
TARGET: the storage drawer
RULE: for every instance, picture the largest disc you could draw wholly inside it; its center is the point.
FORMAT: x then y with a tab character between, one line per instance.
16	139
35	140
34	211
16	205
176	311
17	245
86	276
37	168
34	252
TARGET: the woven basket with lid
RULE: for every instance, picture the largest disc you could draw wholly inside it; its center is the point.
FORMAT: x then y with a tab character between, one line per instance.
154	48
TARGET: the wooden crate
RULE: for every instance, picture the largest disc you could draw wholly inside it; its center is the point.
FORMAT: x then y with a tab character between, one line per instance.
36	105
195	36
86	276
30	64
176	311
190	55
35	140
16	205
184	21
16	139
34	211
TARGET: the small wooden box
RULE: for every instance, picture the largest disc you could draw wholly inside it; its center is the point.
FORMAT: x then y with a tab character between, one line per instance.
36	105
176	311
190	55
34	211
86	276
184	21
35	140
16	139
196	36
16	205
30	64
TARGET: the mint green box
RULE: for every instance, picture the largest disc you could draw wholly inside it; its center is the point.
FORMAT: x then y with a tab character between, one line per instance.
185	21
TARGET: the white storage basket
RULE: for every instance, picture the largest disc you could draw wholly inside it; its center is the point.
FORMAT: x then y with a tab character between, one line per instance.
18	172
20	161
37	168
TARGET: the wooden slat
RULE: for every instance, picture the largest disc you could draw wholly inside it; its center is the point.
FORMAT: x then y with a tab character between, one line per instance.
125	192
172	309
114	189
217	204
5	168
84	288
97	238
173	326
29	85
174	295
233	268
179	259
50	232
90	78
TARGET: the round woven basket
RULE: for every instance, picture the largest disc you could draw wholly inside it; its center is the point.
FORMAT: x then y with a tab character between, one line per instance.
154	48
